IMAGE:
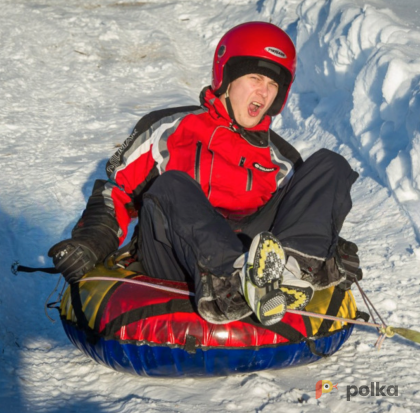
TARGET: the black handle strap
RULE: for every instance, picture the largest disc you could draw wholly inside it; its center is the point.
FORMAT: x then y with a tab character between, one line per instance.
16	267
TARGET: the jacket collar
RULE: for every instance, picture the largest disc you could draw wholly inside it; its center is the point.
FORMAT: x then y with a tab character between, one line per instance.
258	135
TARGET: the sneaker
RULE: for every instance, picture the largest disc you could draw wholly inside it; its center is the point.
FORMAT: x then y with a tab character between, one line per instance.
266	260
261	277
298	292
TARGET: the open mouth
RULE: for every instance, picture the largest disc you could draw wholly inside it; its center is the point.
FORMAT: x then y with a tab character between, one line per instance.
255	108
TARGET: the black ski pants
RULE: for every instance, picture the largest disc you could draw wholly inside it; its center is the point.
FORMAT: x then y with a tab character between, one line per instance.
182	235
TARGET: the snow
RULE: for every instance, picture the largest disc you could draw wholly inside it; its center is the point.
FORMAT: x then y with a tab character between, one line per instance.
77	75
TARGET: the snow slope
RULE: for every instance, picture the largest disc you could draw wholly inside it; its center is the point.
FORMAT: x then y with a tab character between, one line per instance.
76	75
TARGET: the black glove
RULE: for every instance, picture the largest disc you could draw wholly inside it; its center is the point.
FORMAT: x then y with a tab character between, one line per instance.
348	262
341	269
72	259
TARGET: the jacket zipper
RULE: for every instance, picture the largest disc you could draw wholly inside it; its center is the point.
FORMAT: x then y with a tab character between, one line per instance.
249	180
197	162
232	129
249	173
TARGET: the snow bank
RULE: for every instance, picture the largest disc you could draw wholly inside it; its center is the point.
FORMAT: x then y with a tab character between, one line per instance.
76	77
364	60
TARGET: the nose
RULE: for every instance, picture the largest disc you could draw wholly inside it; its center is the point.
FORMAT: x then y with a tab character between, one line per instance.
264	87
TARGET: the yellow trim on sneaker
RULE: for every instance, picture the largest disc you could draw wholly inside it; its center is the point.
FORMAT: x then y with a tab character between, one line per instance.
268	246
277	310
300	297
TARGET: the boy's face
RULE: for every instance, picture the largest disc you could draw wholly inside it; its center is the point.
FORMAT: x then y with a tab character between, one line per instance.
251	96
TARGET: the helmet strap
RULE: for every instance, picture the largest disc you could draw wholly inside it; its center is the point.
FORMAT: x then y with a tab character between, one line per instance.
256	138
239	127
229	107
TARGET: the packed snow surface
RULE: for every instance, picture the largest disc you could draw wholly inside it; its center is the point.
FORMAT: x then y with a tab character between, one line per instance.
75	78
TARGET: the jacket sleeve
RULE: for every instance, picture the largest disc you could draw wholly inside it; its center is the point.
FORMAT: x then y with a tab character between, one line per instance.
286	149
131	170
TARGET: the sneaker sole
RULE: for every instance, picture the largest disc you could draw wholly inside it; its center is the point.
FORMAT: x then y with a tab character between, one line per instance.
272	307
297	297
268	260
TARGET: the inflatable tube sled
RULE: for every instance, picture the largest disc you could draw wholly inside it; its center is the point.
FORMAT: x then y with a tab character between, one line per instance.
144	331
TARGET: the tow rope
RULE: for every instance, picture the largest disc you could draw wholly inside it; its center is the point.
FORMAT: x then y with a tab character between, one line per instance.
384	330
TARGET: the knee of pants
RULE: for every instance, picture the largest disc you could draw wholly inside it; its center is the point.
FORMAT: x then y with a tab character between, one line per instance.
331	160
178	189
172	180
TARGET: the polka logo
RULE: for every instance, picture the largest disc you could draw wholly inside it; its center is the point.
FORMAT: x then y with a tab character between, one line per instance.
322	387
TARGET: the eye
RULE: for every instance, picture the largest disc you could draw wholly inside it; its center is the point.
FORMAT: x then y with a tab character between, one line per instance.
327	386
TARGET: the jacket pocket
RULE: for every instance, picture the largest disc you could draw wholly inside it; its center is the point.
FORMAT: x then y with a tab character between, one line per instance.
197	162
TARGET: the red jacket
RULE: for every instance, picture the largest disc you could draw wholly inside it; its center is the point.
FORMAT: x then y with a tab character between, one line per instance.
238	170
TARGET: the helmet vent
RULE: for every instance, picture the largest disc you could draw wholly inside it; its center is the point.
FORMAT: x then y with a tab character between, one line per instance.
221	51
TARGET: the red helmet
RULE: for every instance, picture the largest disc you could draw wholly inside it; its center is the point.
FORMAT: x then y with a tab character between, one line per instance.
255	47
